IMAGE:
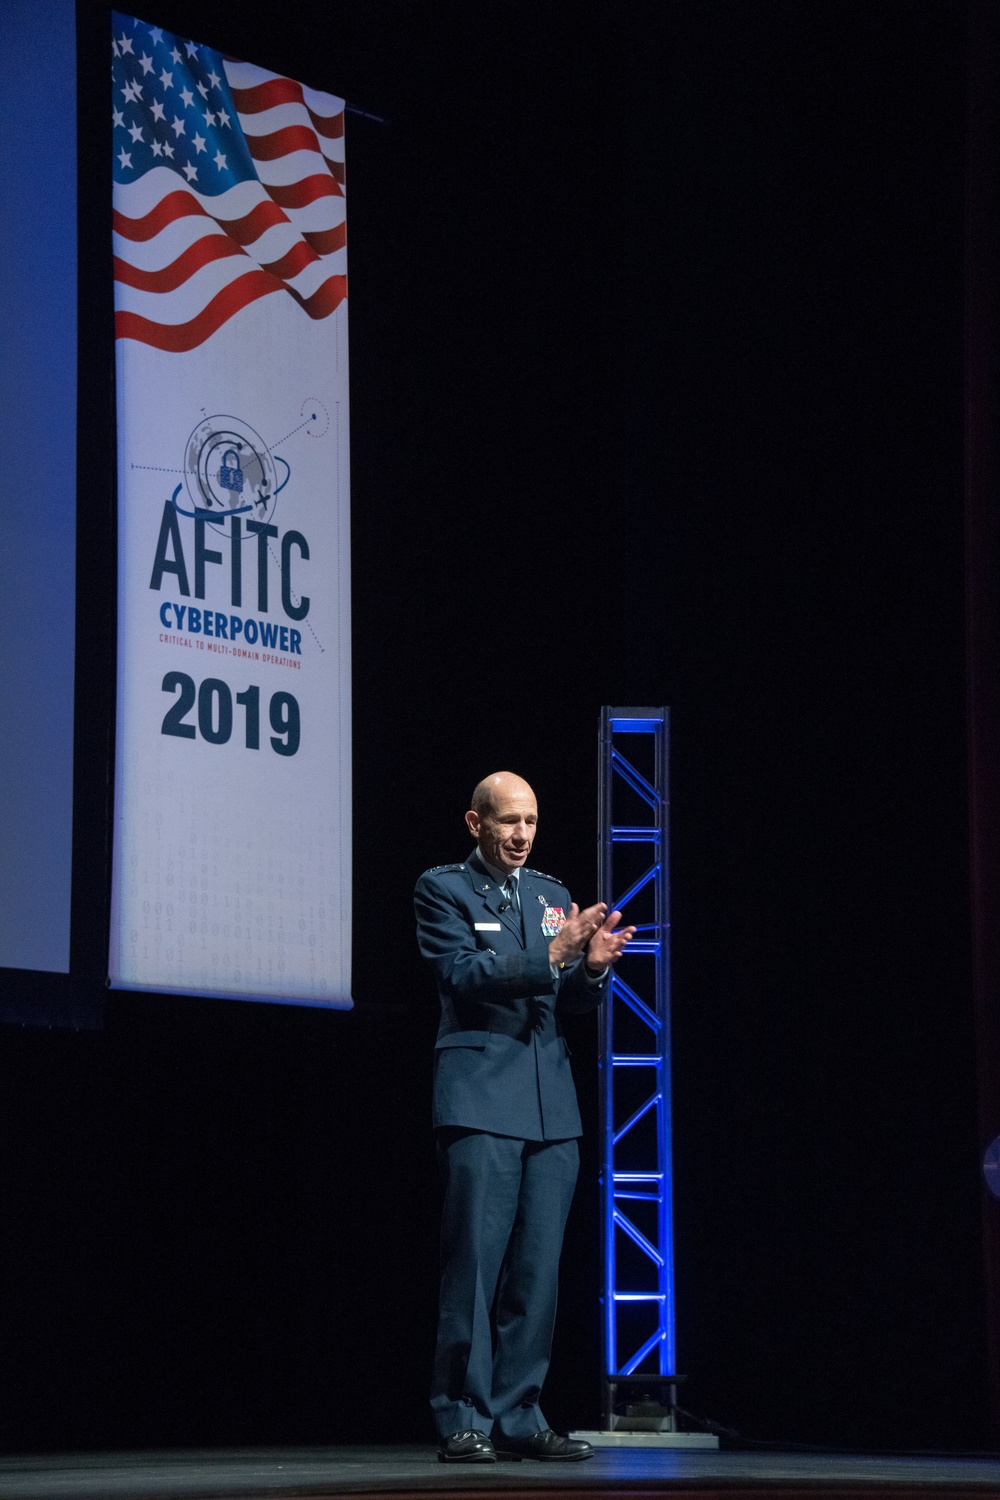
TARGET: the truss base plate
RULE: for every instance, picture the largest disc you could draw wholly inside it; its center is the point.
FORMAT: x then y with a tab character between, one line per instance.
649	1439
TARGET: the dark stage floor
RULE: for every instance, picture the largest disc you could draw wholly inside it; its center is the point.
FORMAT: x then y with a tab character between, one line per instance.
245	1474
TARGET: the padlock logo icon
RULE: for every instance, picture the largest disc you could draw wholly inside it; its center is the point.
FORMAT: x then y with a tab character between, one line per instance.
231	473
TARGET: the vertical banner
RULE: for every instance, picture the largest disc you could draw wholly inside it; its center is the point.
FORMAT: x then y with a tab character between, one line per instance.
232	834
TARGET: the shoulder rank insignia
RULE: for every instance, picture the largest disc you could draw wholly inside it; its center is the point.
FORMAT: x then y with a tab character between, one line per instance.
444	869
541	875
553	921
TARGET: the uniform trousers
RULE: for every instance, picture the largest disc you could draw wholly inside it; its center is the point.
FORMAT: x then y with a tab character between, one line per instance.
505	1207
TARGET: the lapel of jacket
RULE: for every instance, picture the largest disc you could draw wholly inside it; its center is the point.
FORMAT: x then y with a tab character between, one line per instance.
492	897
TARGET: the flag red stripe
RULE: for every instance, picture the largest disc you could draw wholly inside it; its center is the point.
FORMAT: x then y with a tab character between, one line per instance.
202	253
329	126
176	205
254	101
177	338
282	142
213	247
181	205
307	190
296	260
267	95
290	138
252	225
325	299
325	241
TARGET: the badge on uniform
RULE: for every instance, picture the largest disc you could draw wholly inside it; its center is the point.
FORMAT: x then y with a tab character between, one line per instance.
553	921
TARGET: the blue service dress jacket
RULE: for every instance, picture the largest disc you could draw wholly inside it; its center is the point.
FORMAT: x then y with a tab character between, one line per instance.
501	1061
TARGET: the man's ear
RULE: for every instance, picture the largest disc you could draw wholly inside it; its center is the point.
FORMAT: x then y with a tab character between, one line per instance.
473	824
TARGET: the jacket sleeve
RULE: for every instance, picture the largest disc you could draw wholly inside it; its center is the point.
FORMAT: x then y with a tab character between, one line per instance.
579	993
465	972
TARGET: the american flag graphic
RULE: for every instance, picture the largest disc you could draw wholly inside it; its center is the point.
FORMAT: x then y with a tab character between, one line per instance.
228	186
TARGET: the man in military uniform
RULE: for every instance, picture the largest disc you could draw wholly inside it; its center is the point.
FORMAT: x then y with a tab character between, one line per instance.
511	955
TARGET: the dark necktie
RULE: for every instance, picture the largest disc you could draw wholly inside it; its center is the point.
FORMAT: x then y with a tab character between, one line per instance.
510	887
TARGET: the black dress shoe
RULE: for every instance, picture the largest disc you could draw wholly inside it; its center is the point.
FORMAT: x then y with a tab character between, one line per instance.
470	1447
544	1445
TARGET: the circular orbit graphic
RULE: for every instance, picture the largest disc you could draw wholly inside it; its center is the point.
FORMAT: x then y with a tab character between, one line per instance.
316	417
229	470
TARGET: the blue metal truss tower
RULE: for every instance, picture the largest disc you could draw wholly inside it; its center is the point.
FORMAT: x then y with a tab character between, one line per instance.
636	1175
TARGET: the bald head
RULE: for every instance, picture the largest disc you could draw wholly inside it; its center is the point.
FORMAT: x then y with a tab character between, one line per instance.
491	787
502	819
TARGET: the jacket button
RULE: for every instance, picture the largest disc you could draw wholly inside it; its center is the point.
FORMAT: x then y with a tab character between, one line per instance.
538	1026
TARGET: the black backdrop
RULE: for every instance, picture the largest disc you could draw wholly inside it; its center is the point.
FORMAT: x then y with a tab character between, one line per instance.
656	348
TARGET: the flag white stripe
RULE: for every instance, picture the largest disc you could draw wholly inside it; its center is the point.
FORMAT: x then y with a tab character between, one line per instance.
259	127
164	248
192	296
136	199
286	170
316	217
179	236
186	301
312	277
326	105
279	118
246	76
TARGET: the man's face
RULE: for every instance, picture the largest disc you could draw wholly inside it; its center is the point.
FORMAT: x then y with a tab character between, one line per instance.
506	831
